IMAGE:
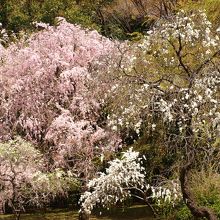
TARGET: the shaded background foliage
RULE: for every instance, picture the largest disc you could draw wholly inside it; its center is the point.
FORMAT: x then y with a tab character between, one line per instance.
114	18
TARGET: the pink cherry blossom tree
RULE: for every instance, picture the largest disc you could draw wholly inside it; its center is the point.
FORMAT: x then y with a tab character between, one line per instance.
48	95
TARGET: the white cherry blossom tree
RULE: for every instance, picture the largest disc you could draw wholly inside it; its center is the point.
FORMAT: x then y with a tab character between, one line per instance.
169	81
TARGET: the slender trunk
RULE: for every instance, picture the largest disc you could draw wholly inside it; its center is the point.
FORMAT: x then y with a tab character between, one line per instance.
83	216
189	198
2	207
151	207
17	214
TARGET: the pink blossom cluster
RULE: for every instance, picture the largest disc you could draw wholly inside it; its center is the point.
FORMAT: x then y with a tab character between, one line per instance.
48	94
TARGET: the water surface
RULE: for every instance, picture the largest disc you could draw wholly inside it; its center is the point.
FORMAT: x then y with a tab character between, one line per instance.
132	213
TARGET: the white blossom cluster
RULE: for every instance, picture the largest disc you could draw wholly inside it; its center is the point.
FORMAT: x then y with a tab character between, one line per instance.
113	186
7	36
3	35
120	178
128	114
192	103
170	76
41	25
185	27
169	193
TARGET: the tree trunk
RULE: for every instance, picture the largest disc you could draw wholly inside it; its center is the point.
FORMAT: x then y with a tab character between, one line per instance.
189	198
17	214
83	216
2	210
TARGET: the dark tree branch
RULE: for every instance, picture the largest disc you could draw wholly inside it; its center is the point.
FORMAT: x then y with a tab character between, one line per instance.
179	56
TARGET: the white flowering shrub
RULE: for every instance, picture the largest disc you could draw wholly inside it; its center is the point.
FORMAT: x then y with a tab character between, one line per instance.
116	185
108	188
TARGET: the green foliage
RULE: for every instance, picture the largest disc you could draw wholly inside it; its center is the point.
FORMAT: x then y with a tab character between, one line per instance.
57	182
12	15
18	15
213	11
205	187
110	17
212	8
102	15
23	180
157	157
183	214
212	202
77	15
125	20
19	151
